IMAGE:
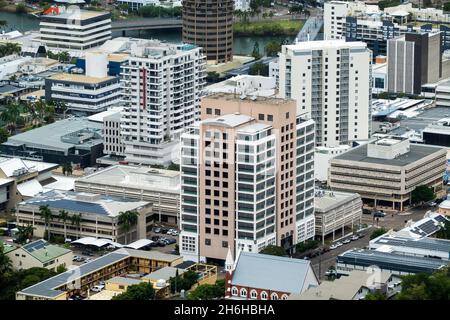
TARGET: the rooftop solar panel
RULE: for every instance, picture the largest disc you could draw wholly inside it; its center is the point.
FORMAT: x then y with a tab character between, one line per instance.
36	245
73	205
440	218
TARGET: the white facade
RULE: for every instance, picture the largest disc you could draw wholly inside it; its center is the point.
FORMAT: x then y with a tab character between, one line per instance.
162	87
135	5
322	157
331	82
243	5
245	85
75	30
274	71
112	139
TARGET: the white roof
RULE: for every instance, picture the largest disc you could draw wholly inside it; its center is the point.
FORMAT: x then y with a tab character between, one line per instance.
9	165
96	242
445	204
85	240
63	183
99	117
138	244
30	188
100	242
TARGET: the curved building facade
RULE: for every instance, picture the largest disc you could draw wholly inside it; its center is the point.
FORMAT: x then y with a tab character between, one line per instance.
209	24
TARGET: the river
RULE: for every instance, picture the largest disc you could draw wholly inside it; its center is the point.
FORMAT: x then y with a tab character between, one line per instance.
241	45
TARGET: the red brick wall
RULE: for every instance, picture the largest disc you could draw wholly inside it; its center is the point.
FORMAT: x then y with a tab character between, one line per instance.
249	289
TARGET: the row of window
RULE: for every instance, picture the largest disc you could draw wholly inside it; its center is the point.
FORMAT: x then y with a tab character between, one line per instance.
254	294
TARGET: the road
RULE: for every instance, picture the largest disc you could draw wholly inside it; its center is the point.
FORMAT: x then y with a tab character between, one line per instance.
395	222
246	67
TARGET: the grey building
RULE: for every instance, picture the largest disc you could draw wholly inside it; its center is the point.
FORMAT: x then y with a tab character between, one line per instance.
413	60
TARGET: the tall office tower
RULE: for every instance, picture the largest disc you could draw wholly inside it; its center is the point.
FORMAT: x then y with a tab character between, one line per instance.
413	60
331	82
209	24
247	177
74	30
162	85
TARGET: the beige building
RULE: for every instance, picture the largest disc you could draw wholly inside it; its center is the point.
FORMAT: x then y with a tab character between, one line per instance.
99	215
247	177
385	172
444	207
157	186
40	254
337	213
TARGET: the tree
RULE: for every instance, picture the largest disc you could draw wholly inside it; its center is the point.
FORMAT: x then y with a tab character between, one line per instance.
5	262
307	245
11	115
422	286
142	291
3	135
174	167
127	220
259	69
444	232
183	282
3	23
255	53
208	291
375	296
20	8
212	76
60	269
272	48
76	220
24	233
422	194
64	216
447	7
377	233
274	251
67	169
46	214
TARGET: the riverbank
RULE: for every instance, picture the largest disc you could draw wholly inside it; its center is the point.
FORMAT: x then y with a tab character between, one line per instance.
268	28
11	8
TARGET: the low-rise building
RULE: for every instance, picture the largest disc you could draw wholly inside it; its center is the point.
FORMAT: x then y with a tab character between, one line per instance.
157	186
322	157
398	264
80	279
99	215
257	276
40	254
385	171
443	94
437	133
336	212
74	140
355	286
444	208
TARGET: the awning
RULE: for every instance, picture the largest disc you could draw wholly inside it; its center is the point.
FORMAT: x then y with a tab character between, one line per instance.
138	244
85	241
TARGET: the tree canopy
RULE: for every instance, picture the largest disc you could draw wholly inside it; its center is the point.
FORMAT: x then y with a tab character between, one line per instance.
422	286
274	251
272	48
422	194
141	291
259	69
208	291
183	282
377	233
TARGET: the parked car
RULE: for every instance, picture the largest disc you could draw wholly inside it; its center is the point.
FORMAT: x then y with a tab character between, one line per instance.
333	246
379	214
346	241
161	243
75	297
75	258
98	288
155	238
339	244
355	237
80	259
157	230
87	253
366	211
87	260
164	230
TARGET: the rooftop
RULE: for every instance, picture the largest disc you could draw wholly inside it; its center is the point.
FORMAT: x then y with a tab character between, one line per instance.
254	99
344	288
325	200
391	261
100	117
422	243
229	120
84	202
7	247
123	281
263	271
416	152
164	273
142	178
79	78
12	166
78	14
44	251
325	44
49	136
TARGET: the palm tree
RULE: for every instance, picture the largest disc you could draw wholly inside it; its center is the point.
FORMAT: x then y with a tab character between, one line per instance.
67	168
127	220
11	115
5	262
76	220
47	215
24	233
63	215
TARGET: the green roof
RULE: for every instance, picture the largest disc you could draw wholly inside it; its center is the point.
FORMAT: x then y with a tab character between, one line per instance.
7	247
43	251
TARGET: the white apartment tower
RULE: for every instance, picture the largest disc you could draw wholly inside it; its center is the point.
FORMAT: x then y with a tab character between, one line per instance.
162	85
331	82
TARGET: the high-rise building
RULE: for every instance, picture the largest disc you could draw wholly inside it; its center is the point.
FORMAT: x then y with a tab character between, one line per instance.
74	30
413	60
209	24
247	177
162	85
331	82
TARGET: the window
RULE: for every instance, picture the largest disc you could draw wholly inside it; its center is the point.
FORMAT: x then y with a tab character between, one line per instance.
208	111
261	116
225	244
287	115
208	242
234	291
253	294
274	296
263	295
217	112
243	293
284	297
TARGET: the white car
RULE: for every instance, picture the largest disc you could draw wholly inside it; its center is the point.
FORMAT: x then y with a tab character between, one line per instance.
333	246
346	241
98	288
339	244
355	237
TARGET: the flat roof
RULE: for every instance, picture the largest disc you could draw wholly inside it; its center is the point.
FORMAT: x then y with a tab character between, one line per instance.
100	117
7	247
123	281
49	136
229	120
323	44
78	14
416	152
325	200
9	165
422	243
256	99
79	78
44	251
390	261
164	274
254	128
153	254
142	178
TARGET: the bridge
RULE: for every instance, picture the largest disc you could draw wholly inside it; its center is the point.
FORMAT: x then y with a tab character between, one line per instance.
146	24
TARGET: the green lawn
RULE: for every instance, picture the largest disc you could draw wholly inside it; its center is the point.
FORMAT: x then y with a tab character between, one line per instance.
268	28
